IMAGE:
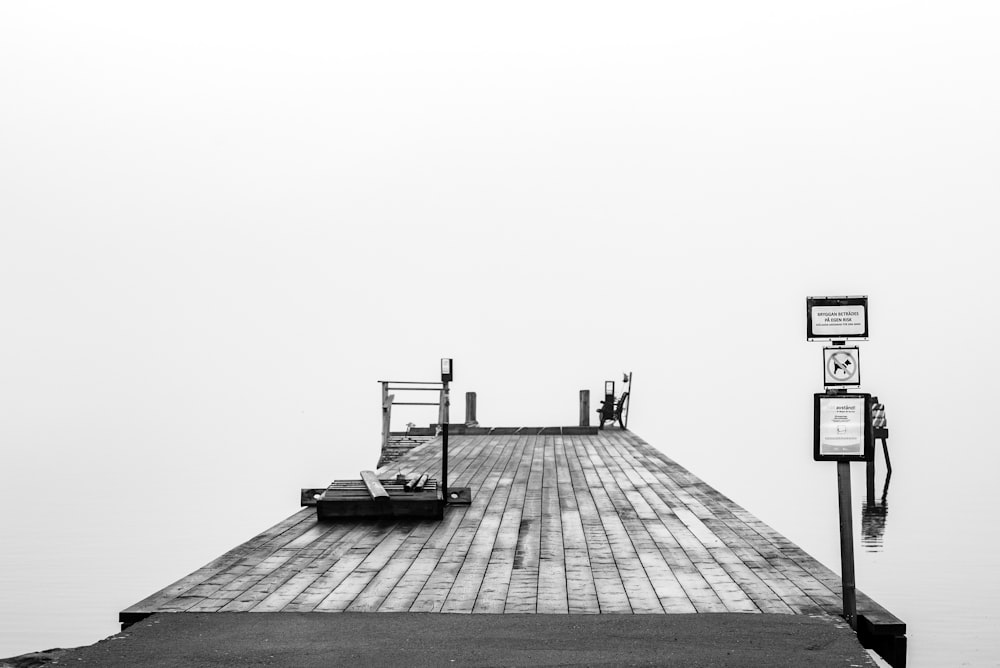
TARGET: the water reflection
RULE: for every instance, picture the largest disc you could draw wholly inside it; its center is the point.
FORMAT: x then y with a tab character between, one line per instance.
874	513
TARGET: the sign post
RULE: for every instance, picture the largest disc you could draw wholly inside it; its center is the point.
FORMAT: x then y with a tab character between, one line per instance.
847	544
842	423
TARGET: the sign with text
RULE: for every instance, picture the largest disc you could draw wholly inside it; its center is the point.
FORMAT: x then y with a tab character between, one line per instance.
842	427
836	318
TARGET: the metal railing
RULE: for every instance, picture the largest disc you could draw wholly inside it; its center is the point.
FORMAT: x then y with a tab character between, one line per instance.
389	400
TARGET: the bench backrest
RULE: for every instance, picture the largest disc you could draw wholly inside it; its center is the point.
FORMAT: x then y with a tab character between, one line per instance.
621	404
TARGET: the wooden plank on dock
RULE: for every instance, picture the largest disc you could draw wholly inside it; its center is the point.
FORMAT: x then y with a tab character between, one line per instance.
375	489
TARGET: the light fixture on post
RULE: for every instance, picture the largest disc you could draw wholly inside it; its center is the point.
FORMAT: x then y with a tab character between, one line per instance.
459	496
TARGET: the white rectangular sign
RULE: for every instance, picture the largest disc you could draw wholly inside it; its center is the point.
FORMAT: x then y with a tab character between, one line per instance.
842	426
834	321
833	318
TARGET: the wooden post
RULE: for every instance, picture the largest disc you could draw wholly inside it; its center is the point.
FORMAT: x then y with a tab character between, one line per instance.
470	409
584	408
847	543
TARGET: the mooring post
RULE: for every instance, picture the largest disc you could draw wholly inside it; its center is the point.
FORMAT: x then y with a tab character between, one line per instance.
847	543
584	408
470	409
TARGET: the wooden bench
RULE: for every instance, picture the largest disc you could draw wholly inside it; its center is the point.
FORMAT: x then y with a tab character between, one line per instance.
612	412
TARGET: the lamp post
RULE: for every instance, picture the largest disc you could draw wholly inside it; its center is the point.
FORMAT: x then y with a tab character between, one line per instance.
446	376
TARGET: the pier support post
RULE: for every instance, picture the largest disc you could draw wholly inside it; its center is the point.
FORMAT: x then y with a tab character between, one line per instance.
847	543
584	408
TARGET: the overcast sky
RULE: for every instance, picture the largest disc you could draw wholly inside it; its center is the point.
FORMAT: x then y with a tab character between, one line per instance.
222	222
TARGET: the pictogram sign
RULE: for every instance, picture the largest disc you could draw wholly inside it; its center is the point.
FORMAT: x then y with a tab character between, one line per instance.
841	367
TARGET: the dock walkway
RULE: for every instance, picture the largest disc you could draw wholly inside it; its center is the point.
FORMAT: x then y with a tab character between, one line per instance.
559	524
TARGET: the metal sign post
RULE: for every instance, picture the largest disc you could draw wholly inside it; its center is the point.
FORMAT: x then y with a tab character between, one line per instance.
847	544
842	422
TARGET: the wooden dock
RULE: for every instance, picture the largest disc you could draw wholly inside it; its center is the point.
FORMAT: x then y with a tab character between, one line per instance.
560	522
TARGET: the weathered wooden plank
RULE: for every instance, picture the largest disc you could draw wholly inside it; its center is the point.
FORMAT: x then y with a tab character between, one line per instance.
493	592
177	590
736	528
344	558
326	552
224	585
435	593
407	595
636	512
375	489
612	506
522	593
470	545
493	495
553	597
608	581
580	588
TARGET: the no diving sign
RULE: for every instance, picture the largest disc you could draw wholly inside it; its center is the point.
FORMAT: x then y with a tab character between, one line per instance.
836	318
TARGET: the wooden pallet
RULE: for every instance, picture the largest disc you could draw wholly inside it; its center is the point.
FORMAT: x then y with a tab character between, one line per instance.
350	499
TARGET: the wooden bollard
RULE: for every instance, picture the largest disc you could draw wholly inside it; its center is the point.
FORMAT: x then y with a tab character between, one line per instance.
584	408
470	410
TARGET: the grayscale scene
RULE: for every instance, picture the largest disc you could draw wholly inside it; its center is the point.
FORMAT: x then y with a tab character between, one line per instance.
499	334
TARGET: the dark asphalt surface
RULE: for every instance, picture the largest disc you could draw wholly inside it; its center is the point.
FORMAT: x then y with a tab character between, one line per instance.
407	639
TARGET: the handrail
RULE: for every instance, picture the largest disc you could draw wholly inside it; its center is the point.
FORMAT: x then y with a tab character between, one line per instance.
389	399
415	389
413	382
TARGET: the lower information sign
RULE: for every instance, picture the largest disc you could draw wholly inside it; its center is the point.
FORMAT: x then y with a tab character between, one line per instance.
842	427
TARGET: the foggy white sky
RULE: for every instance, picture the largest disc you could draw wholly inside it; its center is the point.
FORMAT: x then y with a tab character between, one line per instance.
222	223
